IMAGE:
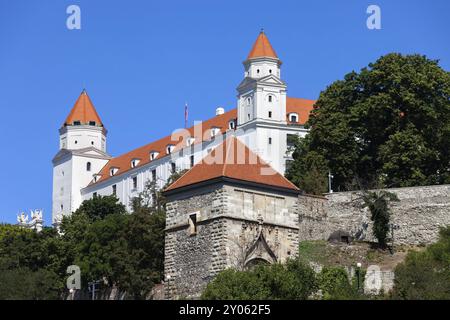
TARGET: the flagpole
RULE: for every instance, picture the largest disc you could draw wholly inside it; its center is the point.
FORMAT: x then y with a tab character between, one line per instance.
185	114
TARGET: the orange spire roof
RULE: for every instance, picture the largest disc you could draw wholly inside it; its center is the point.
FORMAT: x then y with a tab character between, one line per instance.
83	111
233	159
262	48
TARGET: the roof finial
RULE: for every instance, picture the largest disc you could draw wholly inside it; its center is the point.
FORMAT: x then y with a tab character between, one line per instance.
84	91
262	30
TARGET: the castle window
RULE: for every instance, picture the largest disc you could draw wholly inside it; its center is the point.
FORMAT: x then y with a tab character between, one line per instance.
257	71
270	98
270	140
214	131
190	141
170	148
248	116
154	175
153	155
270	114
76	141
113	171
232	125
77	123
88	166
92	123
135	182
192	160
270	71
193	224
293	117
248	101
62	207
135	162
114	189
173	167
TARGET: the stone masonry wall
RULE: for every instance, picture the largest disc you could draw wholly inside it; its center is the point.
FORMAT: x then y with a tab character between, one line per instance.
192	260
236	226
419	214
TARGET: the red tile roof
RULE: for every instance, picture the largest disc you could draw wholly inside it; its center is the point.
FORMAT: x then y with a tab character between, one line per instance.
123	162
262	48
83	111
300	106
233	159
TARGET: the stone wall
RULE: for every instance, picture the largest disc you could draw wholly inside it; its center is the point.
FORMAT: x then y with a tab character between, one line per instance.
235	226
419	214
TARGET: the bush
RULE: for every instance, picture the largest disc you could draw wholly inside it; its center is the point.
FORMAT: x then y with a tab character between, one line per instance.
425	275
293	280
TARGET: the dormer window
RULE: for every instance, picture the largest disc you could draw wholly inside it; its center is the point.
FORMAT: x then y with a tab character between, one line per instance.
135	162
293	117
113	171
190	141
92	123
170	148
232	125
153	155
77	123
214	131
97	177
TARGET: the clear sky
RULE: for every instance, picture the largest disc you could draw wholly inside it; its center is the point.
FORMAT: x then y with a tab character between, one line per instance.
141	60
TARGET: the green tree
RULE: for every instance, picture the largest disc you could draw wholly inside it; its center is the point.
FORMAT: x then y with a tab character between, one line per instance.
380	213
335	285
425	275
311	173
390	122
100	206
292	280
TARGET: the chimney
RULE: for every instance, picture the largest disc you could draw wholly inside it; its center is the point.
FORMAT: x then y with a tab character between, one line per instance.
219	111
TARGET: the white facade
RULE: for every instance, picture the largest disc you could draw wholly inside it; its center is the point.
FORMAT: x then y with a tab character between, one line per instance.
261	124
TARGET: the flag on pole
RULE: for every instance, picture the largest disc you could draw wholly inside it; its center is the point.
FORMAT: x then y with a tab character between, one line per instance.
185	115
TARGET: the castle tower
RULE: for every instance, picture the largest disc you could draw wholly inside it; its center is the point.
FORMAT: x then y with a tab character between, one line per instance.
261	104
226	213
82	144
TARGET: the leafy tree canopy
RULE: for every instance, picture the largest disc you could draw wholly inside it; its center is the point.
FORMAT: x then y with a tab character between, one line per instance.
389	123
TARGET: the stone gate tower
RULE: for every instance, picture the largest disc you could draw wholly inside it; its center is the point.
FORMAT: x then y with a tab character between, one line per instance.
229	210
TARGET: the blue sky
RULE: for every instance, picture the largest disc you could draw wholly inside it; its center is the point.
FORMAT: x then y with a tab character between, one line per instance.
141	60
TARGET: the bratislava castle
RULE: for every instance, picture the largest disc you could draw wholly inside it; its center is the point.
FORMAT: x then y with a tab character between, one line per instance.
264	119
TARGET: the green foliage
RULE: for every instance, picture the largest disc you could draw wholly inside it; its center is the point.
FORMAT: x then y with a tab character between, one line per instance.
100	206
125	250
26	284
390	123
335	285
425	275
311	173
294	280
378	204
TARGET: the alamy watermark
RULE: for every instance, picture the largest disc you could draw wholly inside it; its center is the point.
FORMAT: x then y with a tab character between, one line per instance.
73	21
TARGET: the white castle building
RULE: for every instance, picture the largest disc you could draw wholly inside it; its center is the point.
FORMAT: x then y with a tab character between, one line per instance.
264	118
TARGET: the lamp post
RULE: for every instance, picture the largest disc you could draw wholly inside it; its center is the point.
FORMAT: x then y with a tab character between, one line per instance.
358	271
330	176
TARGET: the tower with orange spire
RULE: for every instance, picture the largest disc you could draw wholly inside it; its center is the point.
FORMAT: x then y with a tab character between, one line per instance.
82	154
261	103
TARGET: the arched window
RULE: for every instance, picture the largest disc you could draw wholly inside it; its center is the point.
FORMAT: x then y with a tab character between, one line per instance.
88	166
